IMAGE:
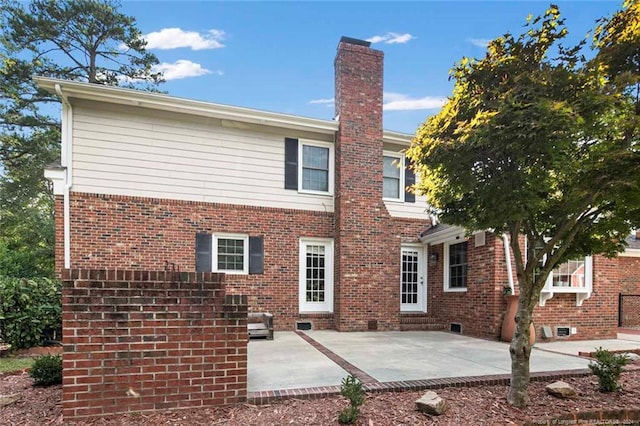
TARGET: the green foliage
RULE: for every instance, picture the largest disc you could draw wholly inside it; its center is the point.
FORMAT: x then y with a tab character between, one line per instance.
85	40
12	364
30	311
608	367
538	141
351	388
47	370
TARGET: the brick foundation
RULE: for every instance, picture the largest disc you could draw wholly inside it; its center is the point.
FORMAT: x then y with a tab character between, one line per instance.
142	341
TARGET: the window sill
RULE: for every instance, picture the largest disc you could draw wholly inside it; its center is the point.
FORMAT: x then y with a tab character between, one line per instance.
232	272
309	192
455	290
582	294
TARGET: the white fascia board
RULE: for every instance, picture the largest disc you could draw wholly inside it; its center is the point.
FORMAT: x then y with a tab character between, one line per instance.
158	101
397	138
449	234
630	253
58	177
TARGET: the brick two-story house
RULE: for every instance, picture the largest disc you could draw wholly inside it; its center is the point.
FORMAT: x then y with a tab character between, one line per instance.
310	218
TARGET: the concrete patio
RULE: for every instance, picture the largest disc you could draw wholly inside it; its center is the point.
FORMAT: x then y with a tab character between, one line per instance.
318	360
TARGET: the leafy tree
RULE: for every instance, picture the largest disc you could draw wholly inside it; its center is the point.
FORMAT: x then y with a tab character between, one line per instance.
537	141
85	40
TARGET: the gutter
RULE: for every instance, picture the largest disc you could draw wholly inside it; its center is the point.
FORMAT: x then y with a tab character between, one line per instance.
66	161
507	258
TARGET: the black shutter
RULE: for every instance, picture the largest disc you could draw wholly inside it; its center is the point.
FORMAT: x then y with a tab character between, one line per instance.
256	255
409	179
290	163
203	253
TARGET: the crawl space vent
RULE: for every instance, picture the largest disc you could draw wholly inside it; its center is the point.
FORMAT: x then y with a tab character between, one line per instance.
454	327
303	325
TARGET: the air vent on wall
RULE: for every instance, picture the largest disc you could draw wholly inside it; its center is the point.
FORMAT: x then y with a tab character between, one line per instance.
454	327
303	325
563	331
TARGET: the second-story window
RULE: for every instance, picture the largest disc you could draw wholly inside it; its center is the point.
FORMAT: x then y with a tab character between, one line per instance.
315	168
392	174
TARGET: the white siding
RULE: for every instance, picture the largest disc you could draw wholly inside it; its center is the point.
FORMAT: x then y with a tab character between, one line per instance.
415	210
129	151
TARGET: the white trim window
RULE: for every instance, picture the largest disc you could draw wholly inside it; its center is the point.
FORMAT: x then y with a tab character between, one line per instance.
230	253
315	171
455	266
572	276
393	176
316	275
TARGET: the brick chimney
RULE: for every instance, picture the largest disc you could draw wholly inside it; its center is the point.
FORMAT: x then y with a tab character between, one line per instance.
366	284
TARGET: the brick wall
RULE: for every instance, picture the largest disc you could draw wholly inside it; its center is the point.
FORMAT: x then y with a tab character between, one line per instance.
479	310
597	318
142	341
367	247
629	270
143	233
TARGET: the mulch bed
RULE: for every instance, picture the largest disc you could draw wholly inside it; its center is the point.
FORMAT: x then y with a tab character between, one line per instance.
483	405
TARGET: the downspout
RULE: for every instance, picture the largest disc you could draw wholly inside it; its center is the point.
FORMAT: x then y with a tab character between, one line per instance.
507	258
66	161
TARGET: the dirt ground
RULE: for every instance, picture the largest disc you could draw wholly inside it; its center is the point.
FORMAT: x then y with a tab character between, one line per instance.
483	405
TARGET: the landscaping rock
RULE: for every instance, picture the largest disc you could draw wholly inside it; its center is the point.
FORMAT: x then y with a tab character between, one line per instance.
9	399
561	390
632	356
431	403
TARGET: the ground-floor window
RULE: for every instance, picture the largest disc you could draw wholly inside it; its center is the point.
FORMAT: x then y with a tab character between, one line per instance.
455	266
316	275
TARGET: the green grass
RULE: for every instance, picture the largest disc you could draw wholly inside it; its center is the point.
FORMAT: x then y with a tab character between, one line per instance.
10	364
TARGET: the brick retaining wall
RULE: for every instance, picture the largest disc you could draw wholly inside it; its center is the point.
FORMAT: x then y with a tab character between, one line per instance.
150	340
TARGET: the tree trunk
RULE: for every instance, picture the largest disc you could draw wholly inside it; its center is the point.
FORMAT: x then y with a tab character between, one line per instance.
520	350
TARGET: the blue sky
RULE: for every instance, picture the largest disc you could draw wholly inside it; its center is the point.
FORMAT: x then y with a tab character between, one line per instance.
278	56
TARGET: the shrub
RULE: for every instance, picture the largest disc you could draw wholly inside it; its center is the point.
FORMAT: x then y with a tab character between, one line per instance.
608	367
351	388
30	311
47	370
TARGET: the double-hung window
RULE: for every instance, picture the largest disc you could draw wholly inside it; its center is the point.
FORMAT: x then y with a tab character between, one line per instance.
393	176
455	266
308	166
315	168
229	253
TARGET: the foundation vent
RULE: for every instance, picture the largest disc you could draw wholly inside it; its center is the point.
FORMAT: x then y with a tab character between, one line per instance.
303	325
455	327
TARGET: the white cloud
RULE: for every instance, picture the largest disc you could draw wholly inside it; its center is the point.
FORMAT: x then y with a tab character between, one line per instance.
480	42
391	38
325	102
174	38
400	102
182	68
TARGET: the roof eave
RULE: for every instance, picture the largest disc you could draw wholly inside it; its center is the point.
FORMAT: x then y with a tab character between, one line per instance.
164	102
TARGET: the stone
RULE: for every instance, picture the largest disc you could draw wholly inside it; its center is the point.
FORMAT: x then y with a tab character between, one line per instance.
561	390
431	403
9	399
632	356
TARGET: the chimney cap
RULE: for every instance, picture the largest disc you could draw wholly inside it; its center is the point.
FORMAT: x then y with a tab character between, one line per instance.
355	41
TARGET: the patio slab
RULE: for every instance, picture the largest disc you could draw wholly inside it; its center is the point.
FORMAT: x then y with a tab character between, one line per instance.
406	355
290	364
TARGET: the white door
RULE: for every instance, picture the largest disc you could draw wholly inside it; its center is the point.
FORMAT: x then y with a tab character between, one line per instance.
316	275
413	289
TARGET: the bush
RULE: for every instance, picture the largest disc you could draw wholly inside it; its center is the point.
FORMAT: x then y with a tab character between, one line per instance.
30	311
608	367
47	370
351	388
